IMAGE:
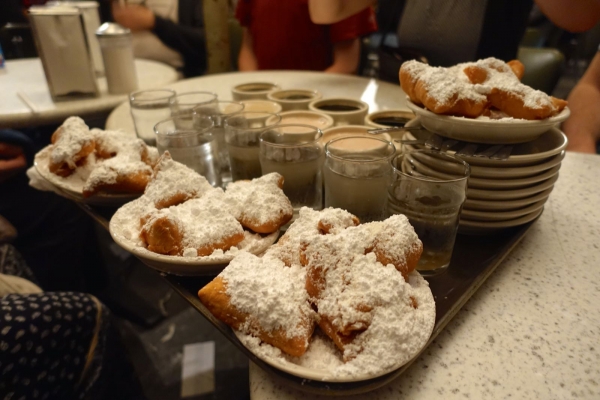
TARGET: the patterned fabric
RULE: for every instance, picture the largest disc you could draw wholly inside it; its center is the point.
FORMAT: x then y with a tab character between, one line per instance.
51	345
12	263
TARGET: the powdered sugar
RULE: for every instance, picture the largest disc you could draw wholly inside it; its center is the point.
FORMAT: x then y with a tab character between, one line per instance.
397	333
448	85
73	136
392	319
270	292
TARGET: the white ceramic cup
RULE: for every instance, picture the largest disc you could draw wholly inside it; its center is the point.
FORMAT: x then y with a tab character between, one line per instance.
337	132
389	118
253	90
344	111
305	117
264	106
294	99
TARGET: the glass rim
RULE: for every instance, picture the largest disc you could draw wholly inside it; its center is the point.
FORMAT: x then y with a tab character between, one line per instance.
222	102
318	135
132	95
183	103
379	159
184	132
454	158
239	114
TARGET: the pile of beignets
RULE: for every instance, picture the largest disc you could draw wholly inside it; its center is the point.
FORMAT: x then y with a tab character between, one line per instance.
477	88
326	270
108	161
181	214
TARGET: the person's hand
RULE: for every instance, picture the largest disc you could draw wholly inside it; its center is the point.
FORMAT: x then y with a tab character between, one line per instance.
12	160
134	16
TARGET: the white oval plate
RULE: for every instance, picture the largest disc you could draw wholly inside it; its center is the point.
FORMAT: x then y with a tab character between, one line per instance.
177	265
72	186
469	227
485	130
505	205
501	215
290	364
482	183
482	194
550	143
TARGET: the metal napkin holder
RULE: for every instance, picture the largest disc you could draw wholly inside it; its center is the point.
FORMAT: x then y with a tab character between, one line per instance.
60	37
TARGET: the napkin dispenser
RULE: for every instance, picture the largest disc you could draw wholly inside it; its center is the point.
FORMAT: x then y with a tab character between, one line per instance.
91	22
62	44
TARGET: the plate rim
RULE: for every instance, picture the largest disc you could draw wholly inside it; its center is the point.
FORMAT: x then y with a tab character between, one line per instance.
534	128
467	223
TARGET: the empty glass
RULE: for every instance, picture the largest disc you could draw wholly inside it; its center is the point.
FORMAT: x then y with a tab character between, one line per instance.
148	107
294	151
184	103
218	111
431	200
242	133
190	142
357	173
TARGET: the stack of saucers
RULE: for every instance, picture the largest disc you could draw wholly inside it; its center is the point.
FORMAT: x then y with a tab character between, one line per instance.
501	193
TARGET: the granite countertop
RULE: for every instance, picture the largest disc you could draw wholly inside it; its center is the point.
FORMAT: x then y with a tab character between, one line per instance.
532	331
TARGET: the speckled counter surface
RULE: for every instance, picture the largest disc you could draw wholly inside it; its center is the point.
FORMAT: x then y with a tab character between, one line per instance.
532	331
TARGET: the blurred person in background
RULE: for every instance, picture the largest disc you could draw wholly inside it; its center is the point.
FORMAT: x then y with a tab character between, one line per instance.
280	35
169	31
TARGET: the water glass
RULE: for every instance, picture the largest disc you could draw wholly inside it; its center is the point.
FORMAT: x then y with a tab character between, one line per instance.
190	141
294	151
184	103
218	111
242	136
357	174
148	107
432	201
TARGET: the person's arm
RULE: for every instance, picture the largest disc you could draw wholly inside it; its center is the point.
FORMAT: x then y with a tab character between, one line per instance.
346	55
583	126
188	41
573	16
247	58
331	11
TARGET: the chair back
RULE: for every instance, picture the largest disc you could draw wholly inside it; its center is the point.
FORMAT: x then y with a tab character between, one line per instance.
543	67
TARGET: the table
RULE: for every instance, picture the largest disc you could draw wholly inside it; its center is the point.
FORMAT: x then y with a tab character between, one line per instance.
532	330
379	95
27	76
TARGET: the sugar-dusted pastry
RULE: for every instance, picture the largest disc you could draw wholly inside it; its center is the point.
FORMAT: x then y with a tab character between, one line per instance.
350	288
264	298
124	164
310	223
173	183
72	144
469	89
196	227
260	204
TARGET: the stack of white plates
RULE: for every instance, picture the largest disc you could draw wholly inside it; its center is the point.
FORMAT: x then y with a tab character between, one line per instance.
501	193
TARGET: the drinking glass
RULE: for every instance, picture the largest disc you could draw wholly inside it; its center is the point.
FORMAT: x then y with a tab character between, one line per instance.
184	103
357	173
294	151
431	200
218	111
148	107
191	142
242	136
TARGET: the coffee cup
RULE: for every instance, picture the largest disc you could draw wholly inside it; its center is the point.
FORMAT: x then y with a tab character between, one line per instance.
338	132
253	90
389	118
294	99
344	111
305	117
264	106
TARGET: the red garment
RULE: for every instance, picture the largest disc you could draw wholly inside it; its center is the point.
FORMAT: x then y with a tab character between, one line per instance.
284	37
